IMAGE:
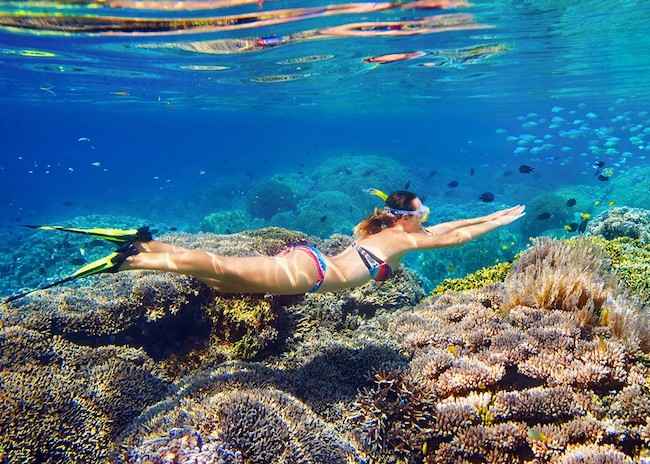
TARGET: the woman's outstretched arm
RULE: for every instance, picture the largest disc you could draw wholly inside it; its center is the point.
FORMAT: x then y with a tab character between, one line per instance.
471	229
447	227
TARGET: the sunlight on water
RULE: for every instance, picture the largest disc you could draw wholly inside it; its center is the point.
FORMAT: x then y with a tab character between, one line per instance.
210	54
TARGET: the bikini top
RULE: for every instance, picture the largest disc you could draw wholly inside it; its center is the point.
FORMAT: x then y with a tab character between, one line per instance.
379	269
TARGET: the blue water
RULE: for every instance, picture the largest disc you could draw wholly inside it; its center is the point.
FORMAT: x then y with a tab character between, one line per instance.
169	127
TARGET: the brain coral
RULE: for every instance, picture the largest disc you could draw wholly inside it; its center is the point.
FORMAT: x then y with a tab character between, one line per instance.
237	410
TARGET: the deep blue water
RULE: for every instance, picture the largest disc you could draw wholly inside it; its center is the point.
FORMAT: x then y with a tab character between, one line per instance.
169	127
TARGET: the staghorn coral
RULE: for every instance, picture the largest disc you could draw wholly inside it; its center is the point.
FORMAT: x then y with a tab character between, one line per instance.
605	454
239	409
535	383
394	417
536	404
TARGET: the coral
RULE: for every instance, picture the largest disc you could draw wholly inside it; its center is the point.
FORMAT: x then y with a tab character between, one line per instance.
622	222
63	402
229	222
394	417
631	264
320	214
530	383
268	198
349	174
478	279
594	453
567	275
534	224
239	410
631	187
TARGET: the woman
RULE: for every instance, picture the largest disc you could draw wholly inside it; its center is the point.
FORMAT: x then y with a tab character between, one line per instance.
382	239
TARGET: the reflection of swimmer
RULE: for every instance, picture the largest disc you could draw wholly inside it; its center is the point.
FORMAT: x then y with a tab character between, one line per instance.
393	57
124	25
430	25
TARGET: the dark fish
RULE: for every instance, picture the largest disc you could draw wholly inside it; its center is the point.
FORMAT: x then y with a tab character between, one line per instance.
433	173
603	178
66	244
544	216
95	243
486	197
301	165
571	227
67	203
507	173
407	185
348	171
173	229
323	218
453	184
471	172
525	169
582	226
77	261
571	202
250	175
366	173
228	231
599	164
42	271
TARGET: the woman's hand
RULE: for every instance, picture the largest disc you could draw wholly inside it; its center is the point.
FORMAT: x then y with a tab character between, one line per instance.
506	216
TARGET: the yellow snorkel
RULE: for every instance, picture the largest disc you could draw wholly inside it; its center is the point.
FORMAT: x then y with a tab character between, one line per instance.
377	193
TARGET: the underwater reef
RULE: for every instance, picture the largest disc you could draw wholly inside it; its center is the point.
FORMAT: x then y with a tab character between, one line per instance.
540	360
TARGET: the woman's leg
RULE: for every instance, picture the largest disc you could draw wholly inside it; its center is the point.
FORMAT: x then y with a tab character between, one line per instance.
154	246
287	274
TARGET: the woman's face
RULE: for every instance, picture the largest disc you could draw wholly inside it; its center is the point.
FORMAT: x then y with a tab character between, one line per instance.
413	222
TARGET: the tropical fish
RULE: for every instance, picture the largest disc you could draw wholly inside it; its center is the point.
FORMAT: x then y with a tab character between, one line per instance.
582	226
453	184
486	197
571	227
537	435
544	216
524	169
585	215
571	202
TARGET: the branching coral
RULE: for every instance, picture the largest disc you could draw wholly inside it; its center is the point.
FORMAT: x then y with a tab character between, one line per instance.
530	384
240	410
63	403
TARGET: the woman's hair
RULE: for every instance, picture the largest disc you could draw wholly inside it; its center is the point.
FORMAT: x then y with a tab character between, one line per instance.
380	219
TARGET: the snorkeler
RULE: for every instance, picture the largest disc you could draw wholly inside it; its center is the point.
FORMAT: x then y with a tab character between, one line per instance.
382	239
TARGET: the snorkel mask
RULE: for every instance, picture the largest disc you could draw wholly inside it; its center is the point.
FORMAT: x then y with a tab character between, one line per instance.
422	212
